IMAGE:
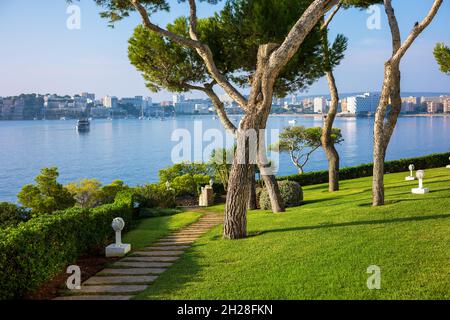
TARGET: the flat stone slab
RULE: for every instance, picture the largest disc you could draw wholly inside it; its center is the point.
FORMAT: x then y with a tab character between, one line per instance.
167	248
132	271
173	243
120	280
158	253
113	298
113	289
188	233
182	237
150	259
142	264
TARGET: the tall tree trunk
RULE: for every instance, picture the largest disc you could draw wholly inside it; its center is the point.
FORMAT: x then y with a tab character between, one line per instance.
384	128
235	223
378	173
333	167
327	141
252	205
382	133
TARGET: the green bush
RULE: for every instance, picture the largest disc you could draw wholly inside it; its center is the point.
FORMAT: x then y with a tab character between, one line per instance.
366	170
291	193
189	184
109	192
155	196
186	178
181	169
47	195
37	250
11	215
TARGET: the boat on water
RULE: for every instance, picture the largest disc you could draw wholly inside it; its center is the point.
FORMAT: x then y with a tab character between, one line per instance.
292	122
83	124
63	119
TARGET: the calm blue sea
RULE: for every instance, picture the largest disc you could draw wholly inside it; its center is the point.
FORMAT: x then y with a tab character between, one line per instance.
135	150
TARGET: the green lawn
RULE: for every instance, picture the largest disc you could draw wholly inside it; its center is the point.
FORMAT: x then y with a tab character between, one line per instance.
322	249
149	230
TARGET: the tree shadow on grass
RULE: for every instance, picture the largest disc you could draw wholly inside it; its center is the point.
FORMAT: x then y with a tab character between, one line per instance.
356	223
389	202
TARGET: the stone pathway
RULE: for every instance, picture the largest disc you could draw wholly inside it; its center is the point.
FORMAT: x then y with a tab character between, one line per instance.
134	273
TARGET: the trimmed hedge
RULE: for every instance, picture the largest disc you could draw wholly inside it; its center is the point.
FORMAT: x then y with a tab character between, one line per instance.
366	170
39	249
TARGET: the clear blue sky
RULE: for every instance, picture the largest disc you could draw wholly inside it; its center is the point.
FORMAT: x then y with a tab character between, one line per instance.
39	54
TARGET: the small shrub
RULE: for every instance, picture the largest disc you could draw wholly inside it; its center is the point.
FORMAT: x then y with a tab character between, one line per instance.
86	192
189	184
11	215
109	192
291	193
181	169
155	196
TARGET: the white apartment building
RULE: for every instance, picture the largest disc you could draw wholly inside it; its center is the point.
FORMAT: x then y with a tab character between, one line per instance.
110	102
365	103
446	104
320	105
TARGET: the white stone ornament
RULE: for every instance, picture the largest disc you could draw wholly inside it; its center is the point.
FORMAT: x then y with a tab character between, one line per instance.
410	177
448	167
420	174
118	249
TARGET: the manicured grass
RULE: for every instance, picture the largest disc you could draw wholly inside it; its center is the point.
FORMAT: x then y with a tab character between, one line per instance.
322	249
149	230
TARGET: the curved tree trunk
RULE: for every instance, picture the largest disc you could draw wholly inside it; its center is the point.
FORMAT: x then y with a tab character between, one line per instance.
274	193
327	141
383	128
390	95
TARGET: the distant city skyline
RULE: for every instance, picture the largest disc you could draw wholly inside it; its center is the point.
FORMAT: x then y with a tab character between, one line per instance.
42	56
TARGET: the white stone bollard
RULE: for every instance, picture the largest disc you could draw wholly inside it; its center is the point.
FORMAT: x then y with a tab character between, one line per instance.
118	249
420	190
448	167
410	177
